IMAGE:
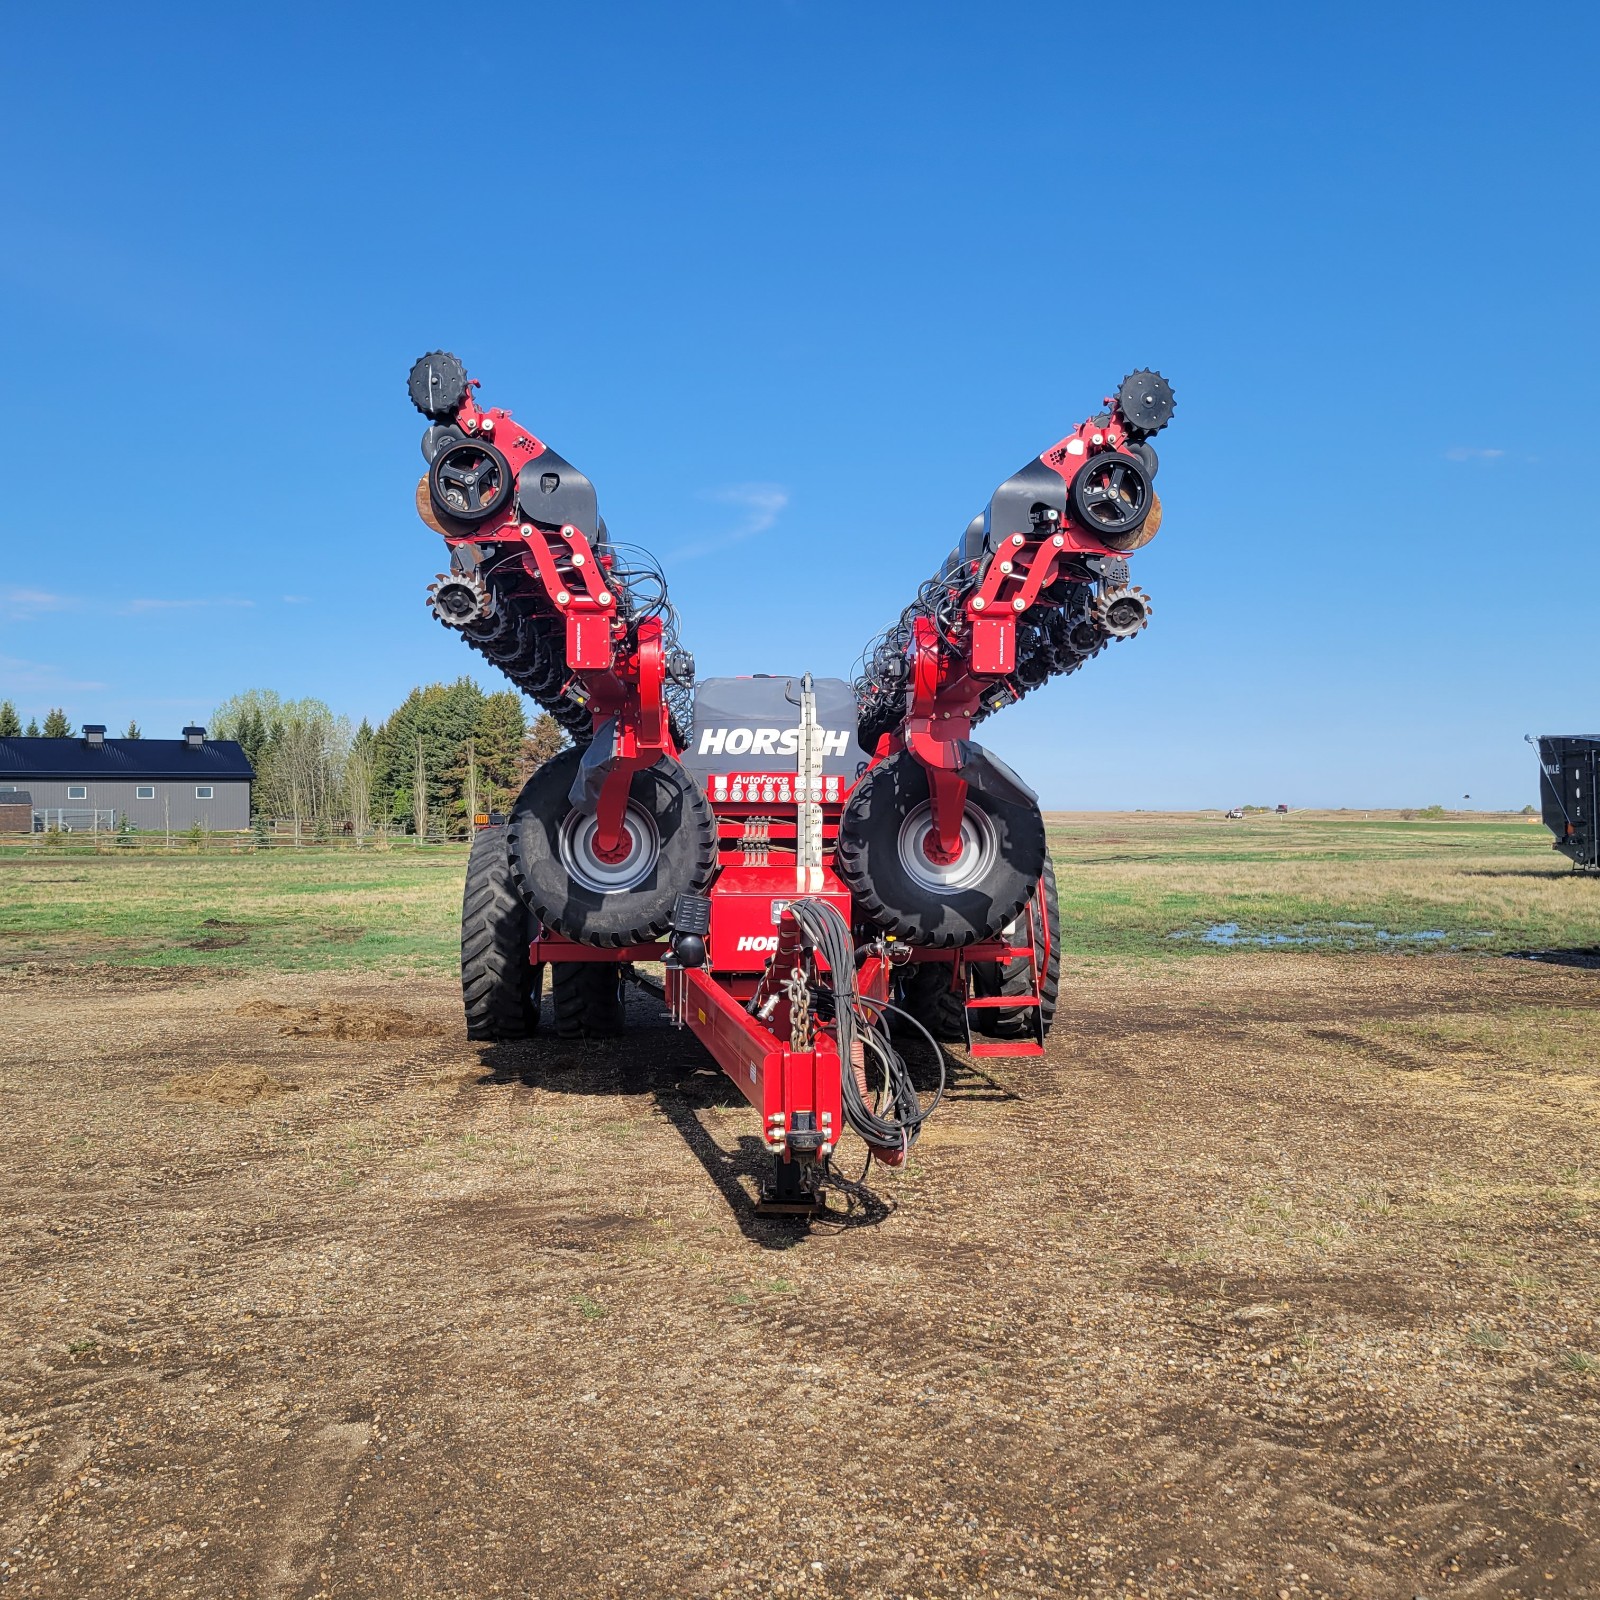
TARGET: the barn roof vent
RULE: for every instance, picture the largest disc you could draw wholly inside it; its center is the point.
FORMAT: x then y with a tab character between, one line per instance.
94	735
194	737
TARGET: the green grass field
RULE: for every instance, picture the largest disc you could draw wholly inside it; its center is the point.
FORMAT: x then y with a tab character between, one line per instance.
1145	884
1139	885
301	910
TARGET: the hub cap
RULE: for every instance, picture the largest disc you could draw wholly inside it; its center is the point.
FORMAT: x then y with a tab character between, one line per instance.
972	863
577	849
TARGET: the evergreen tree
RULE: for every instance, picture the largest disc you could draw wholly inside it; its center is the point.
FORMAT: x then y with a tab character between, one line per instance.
251	734
10	726
441	718
497	742
133	730
33	727
56	725
250	719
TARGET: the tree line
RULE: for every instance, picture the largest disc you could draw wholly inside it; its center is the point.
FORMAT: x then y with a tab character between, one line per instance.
446	753
56	725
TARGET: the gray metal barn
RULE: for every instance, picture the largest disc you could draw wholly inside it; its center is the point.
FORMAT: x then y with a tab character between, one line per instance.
93	783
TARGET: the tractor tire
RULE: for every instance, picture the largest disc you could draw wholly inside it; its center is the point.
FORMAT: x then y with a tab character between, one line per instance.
925	992
899	890
673	840
500	988
586	999
1015	977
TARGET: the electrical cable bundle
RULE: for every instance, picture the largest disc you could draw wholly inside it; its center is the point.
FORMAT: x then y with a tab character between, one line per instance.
881	1129
641	589
520	633
880	686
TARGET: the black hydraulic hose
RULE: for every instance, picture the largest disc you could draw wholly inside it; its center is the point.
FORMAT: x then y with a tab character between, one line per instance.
883	1129
938	1054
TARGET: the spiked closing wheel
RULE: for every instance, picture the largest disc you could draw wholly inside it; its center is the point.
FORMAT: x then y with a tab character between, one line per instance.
1123	612
437	385
459	598
1145	401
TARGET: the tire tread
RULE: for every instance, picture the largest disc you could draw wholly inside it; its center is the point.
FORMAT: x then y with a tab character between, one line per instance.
499	987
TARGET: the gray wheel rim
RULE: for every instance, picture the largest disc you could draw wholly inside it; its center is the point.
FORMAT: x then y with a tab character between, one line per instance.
971	868
576	848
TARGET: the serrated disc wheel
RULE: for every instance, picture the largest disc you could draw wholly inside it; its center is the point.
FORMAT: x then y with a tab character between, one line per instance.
1145	401
1122	612
437	385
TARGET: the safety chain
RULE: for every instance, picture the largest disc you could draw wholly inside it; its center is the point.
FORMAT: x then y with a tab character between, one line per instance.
799	1012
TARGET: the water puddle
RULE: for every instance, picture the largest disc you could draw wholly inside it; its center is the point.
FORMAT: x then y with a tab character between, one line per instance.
1339	935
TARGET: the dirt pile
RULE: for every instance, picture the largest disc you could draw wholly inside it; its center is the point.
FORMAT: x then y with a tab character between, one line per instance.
228	1086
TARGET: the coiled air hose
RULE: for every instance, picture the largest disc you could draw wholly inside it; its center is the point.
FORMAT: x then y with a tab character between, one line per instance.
892	1125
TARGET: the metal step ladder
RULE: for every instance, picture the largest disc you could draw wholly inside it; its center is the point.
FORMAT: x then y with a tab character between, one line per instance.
1032	1000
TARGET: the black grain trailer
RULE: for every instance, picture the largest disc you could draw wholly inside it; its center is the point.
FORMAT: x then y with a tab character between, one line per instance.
1569	775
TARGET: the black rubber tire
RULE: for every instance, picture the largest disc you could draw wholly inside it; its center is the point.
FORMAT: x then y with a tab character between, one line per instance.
1015	977
1087	504
925	991
586	999
491	504
500	987
611	918
886	895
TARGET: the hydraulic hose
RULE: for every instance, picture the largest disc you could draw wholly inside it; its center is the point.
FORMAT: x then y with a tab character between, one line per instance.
894	1123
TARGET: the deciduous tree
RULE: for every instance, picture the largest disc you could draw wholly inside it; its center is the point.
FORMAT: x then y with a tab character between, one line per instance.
298	749
546	738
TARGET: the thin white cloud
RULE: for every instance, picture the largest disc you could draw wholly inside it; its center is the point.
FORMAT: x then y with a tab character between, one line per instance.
21	605
22	679
26	605
762	504
1463	452
297	599
134	608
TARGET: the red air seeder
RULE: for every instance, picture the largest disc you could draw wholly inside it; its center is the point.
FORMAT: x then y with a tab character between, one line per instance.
820	867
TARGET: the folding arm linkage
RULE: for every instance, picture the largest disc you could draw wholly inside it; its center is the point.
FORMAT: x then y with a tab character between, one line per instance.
1038	585
536	586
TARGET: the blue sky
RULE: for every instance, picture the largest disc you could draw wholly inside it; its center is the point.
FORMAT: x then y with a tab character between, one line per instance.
798	285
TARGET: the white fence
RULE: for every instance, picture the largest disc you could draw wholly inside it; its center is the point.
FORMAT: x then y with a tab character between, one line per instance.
64	828
74	819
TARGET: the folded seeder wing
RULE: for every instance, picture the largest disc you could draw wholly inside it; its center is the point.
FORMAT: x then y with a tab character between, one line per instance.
807	858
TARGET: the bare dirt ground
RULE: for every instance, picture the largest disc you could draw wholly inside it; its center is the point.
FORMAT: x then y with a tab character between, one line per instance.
1277	1278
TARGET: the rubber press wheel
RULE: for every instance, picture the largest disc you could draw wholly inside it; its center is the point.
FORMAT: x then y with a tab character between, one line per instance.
898	887
671	840
500	987
1016	977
